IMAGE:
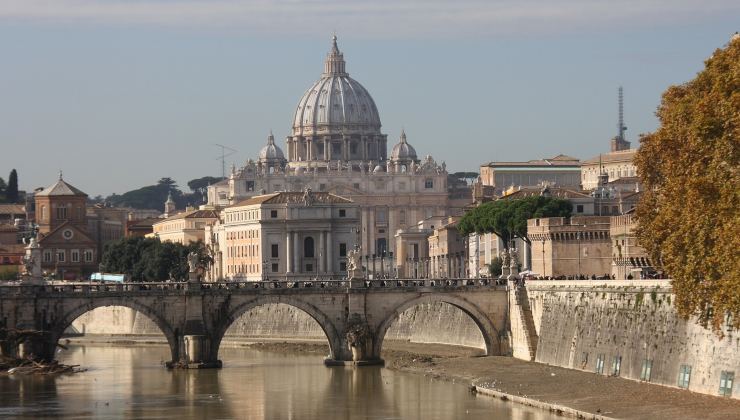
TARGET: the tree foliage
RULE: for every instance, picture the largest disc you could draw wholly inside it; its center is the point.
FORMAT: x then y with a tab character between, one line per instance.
199	185
154	196
147	259
11	190
688	216
508	218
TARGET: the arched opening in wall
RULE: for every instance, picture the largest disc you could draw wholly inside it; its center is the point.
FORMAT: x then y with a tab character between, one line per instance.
433	328
113	335
274	327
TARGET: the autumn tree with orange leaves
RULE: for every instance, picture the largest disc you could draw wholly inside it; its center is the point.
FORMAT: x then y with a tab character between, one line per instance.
689	214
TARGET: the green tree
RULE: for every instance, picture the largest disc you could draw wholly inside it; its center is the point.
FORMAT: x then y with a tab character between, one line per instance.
11	193
199	185
494	268
508	218
148	259
149	197
3	186
688	216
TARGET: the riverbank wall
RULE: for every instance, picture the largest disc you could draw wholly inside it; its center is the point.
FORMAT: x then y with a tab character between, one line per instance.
625	328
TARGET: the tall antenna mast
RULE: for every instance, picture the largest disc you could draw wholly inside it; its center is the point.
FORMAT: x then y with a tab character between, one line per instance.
620	125
223	157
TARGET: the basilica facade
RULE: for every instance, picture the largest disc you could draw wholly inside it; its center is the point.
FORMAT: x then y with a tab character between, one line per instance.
336	146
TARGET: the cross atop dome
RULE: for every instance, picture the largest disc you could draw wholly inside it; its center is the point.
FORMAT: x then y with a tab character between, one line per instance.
334	64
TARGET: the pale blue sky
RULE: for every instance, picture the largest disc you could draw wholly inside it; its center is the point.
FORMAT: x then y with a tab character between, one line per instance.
120	93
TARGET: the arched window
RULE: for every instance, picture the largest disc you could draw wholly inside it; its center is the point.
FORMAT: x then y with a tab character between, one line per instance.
308	247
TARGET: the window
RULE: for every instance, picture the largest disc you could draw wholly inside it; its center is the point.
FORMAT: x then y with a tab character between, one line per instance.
309	268
615	210
380	246
342	213
308	248
647	370
342	250
274	251
88	254
579	208
273	214
600	364
322	187
353	148
250	185
75	255
61	213
380	215
402	217
61	256
274	267
343	266
616	365
47	256
428	183
684	376
726	381
356	186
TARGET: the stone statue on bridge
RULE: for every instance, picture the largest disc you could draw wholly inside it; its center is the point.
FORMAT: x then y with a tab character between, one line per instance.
193	260
32	264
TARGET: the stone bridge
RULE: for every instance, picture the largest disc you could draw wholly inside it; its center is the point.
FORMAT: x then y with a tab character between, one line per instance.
195	316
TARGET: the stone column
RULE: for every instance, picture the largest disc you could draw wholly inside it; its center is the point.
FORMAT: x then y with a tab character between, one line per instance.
326	148
288	247
309	148
329	253
296	258
322	252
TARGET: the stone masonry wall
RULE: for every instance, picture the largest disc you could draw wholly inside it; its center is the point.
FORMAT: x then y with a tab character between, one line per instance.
580	323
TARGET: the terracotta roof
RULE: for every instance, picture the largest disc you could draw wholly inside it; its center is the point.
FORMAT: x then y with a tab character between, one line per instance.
8	228
559	160
192	214
626	180
293	198
620	156
60	188
12	209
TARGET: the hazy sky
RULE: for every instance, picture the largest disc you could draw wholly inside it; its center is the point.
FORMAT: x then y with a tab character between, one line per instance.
119	93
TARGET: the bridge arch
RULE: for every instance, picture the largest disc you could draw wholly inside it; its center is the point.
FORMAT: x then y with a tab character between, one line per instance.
330	331
75	312
482	321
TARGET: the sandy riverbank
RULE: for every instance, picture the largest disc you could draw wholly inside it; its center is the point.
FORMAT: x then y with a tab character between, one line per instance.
582	391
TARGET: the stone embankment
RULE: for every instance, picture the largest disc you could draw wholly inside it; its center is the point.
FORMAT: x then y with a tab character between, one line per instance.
628	329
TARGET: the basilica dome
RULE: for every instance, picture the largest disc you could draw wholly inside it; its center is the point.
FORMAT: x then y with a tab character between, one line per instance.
403	151
271	152
336	103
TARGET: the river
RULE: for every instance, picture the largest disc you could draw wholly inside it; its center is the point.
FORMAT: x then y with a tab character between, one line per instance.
130	382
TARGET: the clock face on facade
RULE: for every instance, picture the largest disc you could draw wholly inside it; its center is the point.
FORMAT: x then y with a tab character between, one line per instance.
68	234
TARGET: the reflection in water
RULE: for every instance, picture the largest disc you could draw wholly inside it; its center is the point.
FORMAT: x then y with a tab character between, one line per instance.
130	382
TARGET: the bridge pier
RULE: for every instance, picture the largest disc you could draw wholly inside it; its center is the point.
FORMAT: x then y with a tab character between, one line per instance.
195	353
39	347
357	342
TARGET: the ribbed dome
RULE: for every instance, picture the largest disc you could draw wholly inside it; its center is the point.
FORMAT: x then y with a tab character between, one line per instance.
271	152
402	150
336	103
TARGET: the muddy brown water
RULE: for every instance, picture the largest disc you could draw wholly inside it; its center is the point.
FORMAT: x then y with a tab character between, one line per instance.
129	382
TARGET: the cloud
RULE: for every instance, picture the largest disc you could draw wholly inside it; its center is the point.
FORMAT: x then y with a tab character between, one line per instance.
374	18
